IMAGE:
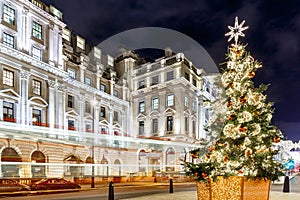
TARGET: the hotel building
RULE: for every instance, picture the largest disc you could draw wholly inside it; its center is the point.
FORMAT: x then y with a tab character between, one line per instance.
65	105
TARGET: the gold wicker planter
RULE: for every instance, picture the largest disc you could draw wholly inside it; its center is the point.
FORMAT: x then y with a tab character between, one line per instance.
234	188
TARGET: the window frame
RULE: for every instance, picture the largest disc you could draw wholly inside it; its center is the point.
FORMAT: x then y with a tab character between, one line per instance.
170	75
8	40
155	105
37	30
170	123
102	87
141	127
71	101
36	87
170	102
142	84
154	125
34	53
88	80
154	80
8	16
141	106
8	79
72	73
102	112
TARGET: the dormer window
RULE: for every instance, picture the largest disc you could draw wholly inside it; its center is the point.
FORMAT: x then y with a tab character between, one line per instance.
80	43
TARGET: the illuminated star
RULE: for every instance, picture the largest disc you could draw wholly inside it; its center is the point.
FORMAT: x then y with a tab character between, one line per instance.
236	31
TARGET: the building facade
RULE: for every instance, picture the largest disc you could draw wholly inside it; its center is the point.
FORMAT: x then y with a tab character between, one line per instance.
65	105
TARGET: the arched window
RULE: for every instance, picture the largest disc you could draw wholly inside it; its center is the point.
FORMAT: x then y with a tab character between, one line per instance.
10	155
117	166
38	170
88	169
104	170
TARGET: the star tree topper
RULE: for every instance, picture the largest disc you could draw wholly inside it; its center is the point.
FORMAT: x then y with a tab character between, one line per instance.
236	31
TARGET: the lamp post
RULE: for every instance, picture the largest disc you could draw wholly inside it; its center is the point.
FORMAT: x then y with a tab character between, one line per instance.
93	145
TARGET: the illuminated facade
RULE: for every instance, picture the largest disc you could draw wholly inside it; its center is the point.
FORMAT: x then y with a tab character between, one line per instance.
65	104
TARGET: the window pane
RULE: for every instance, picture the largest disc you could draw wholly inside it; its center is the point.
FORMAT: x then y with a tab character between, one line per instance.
36	30
8	110
116	116
88	81
141	127
71	73
170	100
36	116
102	87
186	102
116	93
142	106
36	87
70	101
8	40
9	15
154	125
102	112
170	123
155	103
8	77
37	53
170	75
142	84
154	80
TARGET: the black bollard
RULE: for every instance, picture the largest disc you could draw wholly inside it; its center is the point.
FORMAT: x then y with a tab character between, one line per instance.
111	191
171	186
286	185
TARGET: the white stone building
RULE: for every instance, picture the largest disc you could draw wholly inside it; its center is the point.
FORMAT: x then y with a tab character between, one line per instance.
64	104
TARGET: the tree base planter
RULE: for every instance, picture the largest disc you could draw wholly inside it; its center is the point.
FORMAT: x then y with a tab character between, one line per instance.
234	188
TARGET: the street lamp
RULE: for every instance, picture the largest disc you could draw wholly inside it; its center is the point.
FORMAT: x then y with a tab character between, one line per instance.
94	102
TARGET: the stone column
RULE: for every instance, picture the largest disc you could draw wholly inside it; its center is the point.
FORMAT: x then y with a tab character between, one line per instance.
81	102
51	44
60	107
24	75
23	30
96	119
51	103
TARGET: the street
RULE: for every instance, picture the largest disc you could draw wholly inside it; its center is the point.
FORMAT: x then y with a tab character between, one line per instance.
121	191
131	190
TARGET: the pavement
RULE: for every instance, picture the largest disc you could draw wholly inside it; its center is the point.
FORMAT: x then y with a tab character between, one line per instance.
192	195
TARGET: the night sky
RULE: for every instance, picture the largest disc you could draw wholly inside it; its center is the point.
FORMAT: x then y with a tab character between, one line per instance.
273	36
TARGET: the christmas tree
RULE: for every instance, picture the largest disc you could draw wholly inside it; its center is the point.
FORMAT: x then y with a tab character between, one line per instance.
246	144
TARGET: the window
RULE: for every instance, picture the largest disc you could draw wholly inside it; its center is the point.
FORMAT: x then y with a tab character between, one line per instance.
194	127
110	61
154	80
169	123
142	84
186	101
102	112
8	111
37	53
194	82
142	106
9	15
8	40
88	107
88	81
154	125
36	87
102	87
194	103
170	75
71	72
71	124
116	116
70	101
80	42
8	77
206	114
36	117
116	93
170	100
186	124
36	30
66	34
141	127
88	128
97	53
155	103
186	76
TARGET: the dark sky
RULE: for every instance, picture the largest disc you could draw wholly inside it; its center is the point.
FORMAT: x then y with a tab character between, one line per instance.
273	36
